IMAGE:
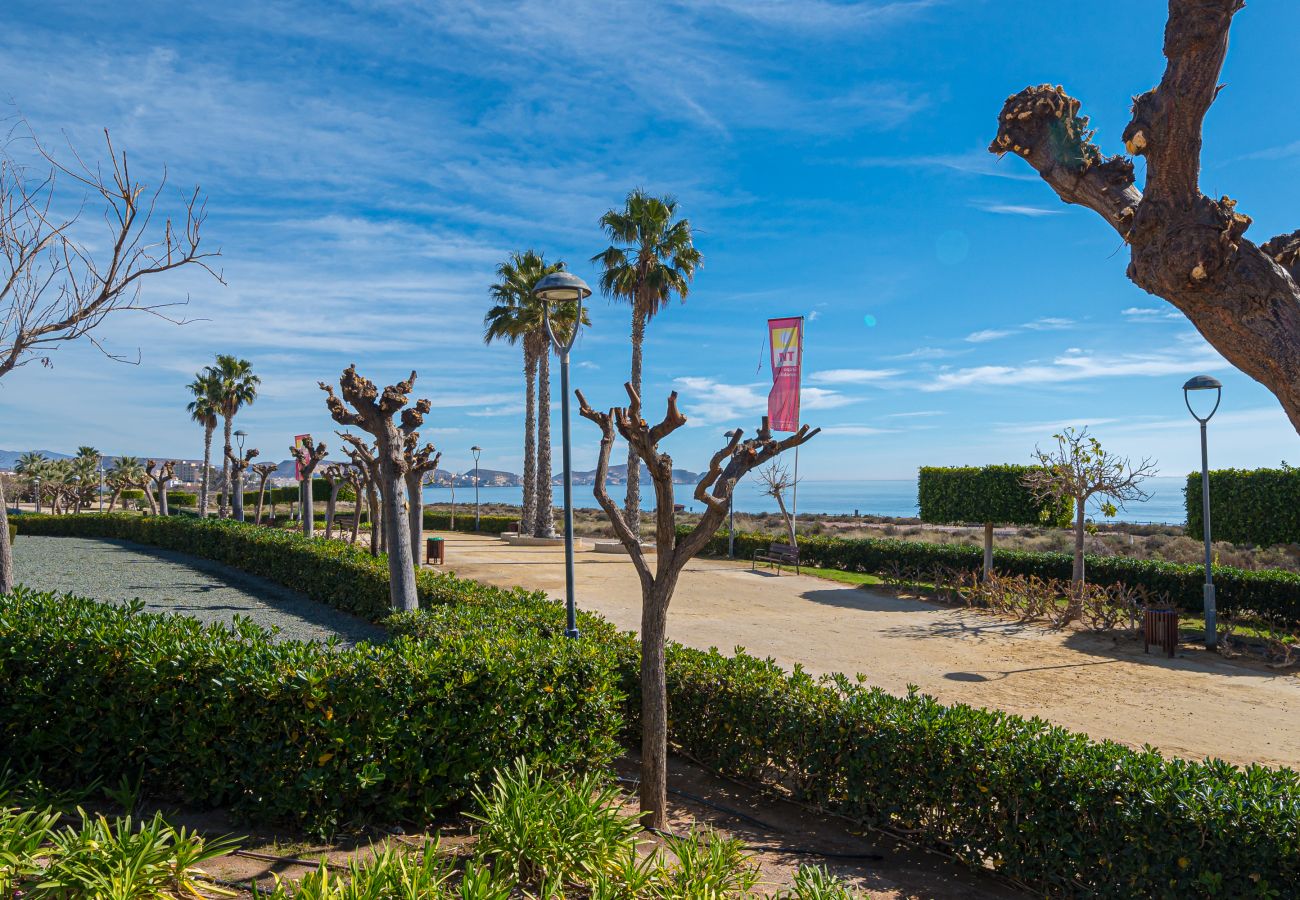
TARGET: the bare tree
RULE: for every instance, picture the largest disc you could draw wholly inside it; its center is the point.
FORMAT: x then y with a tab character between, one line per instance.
59	281
673	552
237	466
157	482
263	471
333	476
373	412
366	462
357	480
308	458
419	462
777	481
1078	469
1184	246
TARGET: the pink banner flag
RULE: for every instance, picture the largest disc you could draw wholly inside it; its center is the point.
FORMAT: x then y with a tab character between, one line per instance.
786	339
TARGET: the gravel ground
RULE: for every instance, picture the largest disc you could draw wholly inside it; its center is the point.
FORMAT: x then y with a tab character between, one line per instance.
172	582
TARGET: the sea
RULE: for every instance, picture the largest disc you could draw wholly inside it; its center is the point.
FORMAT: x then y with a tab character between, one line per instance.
894	498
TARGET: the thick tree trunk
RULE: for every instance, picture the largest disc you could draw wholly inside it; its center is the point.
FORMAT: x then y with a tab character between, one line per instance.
148	496
112	498
308	505
632	508
528	512
6	550
261	501
206	477
415	511
372	511
162	501
401	564
545	521
988	550
1185	247
329	509
654	708
356	516
225	473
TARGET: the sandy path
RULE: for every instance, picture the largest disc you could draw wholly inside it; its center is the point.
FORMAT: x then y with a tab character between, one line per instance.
1194	705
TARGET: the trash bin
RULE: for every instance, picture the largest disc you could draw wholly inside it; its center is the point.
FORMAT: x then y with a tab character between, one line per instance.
1160	627
434	552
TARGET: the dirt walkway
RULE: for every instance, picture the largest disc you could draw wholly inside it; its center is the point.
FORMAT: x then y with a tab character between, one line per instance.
1194	705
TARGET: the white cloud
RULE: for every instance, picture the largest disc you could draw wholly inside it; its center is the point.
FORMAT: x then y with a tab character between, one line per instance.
1049	323
989	334
853	376
924	413
972	162
856	430
710	401
928	353
1078	366
1012	209
1151	314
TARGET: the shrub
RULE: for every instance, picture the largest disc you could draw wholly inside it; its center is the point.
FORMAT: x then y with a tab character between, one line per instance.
441	521
1269	593
988	494
132	494
1248	506
182	498
289	731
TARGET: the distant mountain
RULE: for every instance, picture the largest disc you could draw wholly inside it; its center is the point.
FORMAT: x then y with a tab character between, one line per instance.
618	475
9	457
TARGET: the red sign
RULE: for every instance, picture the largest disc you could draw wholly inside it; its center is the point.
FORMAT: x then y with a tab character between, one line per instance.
300	442
786	339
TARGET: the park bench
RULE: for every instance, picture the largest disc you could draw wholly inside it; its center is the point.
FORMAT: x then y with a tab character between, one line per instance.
776	555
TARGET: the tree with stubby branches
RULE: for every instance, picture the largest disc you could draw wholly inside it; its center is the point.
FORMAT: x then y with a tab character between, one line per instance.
672	552
1190	249
159	475
308	457
361	404
263	471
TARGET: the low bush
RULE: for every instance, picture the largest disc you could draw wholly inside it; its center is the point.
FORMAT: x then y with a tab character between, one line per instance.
441	521
1271	594
182	498
296	732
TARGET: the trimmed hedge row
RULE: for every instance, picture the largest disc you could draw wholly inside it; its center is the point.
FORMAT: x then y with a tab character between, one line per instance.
951	495
1248	506
290	731
1271	593
441	521
1062	813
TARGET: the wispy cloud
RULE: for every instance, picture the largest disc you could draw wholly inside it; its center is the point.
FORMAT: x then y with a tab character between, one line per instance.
856	430
1151	314
1012	209
710	401
927	353
989	334
854	376
1049	323
919	414
1077	366
972	162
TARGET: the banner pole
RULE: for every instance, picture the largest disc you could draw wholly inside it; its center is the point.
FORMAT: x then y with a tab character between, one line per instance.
794	499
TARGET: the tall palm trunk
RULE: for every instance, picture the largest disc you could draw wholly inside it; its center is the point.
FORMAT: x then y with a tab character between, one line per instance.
207	468
225	472
528	514
545	526
632	509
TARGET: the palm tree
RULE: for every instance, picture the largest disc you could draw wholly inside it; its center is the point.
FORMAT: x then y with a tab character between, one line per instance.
126	472
651	257
236	388
32	467
86	466
204	409
517	317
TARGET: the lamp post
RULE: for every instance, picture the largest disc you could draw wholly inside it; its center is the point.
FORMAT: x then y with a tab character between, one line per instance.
237	489
1206	383
476	450
731	508
36	482
565	288
101	484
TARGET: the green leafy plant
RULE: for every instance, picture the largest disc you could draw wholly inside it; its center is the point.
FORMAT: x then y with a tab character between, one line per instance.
950	495
1248	506
816	883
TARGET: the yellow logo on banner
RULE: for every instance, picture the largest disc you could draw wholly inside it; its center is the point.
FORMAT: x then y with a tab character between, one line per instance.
785	346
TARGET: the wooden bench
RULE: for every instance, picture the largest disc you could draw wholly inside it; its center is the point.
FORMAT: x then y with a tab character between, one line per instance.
776	555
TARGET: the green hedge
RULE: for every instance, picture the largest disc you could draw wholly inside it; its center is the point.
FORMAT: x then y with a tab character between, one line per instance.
132	494
978	495
1271	593
290	731
181	498
440	521
1248	506
1057	811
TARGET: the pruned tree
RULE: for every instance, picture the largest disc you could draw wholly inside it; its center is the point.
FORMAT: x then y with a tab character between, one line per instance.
263	471
1078	469
366	463
419	462
1184	246
373	412
236	467
357	480
157	483
334	478
308	458
776	482
673	552
61	277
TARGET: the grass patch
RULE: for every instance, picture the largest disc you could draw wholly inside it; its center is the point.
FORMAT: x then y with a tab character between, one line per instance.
861	579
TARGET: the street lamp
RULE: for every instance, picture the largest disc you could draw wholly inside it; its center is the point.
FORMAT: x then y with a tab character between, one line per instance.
476	450
36	482
239	439
564	288
1206	383
731	505
237	487
101	484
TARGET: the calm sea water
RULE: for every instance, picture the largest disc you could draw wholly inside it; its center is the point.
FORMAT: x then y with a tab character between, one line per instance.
878	498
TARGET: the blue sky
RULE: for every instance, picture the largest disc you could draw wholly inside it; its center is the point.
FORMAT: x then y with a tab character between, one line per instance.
368	163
